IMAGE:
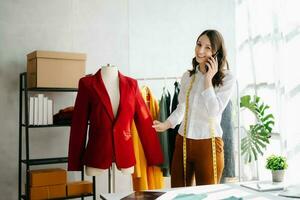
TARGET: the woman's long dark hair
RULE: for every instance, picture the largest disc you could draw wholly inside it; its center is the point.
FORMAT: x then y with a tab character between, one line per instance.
218	47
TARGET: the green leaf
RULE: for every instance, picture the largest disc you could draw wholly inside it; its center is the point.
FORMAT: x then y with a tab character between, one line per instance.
261	107
269	116
258	148
254	152
257	99
276	162
258	134
261	144
265	139
264	109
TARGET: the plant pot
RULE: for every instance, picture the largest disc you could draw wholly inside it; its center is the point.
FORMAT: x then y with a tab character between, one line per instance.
277	175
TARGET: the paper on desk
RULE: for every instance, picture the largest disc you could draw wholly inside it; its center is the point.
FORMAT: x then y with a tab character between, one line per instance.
264	186
213	192
291	191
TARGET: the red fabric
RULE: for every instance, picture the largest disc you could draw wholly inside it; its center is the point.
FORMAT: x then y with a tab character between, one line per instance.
110	140
64	116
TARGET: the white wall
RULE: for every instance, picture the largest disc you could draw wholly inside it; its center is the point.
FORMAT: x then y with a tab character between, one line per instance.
162	35
143	38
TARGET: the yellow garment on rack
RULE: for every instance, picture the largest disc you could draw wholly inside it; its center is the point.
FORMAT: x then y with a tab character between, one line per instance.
145	177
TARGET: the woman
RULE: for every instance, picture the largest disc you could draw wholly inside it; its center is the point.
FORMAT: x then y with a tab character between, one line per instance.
204	94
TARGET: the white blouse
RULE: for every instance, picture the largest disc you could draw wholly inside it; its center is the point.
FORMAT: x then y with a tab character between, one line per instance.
203	105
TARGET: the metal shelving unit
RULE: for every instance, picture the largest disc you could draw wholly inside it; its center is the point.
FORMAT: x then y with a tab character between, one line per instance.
24	129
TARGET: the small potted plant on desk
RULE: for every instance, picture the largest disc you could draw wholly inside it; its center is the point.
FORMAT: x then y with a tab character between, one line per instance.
278	165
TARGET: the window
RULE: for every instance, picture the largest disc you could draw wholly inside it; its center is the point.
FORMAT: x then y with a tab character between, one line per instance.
268	44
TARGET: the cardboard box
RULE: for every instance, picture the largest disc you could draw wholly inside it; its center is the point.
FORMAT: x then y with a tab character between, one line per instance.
50	69
46	177
79	188
48	192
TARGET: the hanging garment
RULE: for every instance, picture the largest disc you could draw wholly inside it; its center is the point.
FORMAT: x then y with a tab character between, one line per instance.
146	177
174	131
227	127
168	102
139	177
110	138
164	113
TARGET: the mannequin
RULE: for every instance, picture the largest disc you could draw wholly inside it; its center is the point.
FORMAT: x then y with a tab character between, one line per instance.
110	79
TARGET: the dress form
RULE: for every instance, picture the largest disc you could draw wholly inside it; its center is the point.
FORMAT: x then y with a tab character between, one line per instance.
110	79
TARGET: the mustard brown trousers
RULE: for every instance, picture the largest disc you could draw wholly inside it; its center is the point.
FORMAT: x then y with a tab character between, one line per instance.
199	161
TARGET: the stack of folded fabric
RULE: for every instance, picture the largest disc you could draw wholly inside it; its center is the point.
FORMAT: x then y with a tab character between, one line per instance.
64	116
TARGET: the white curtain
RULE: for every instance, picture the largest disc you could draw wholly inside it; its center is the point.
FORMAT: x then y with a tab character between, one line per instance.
268	52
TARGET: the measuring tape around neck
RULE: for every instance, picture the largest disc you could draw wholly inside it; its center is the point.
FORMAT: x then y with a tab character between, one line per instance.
212	132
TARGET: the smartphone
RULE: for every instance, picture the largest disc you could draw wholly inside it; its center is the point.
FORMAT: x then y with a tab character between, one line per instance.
214	56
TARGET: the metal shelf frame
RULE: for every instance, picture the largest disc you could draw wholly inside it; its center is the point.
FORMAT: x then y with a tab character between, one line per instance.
24	129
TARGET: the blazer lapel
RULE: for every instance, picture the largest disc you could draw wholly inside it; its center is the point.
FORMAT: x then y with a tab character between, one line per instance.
103	94
123	93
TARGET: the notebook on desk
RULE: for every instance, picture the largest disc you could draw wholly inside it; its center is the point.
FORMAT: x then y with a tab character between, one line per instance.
143	195
291	191
263	186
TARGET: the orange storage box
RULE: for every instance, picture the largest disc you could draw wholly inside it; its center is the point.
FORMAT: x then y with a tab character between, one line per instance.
46	177
48	192
79	188
50	69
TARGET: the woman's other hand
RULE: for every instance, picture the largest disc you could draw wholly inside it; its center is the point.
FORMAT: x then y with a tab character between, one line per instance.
161	126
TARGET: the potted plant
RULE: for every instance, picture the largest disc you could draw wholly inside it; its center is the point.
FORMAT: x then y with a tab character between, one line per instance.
258	134
278	165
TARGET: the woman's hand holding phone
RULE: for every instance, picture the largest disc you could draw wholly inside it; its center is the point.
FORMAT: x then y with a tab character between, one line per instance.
212	67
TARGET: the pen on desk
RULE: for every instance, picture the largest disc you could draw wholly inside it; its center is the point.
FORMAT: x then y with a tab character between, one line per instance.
257	185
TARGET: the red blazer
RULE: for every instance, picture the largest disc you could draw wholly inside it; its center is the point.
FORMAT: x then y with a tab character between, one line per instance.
110	140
